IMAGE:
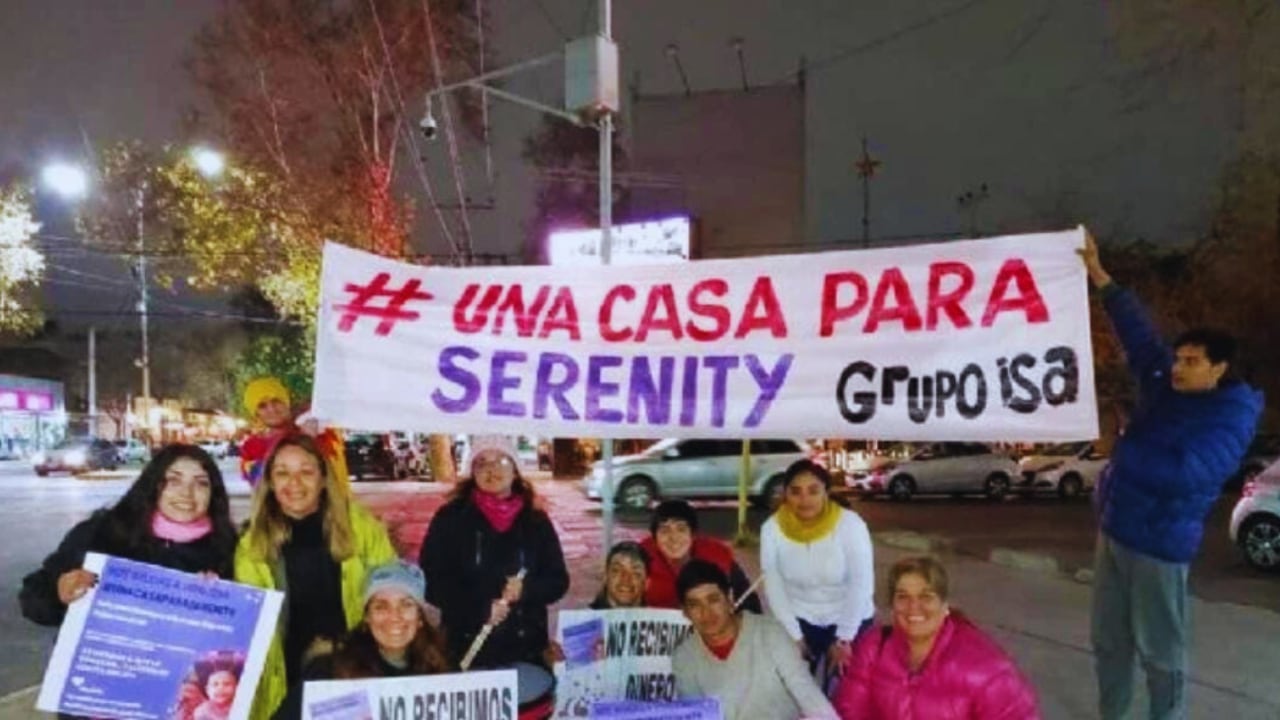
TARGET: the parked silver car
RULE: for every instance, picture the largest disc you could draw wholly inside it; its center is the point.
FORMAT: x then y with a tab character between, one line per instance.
1069	469
951	468
688	468
1255	521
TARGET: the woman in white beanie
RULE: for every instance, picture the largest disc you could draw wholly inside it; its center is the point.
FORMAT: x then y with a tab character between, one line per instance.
394	639
492	557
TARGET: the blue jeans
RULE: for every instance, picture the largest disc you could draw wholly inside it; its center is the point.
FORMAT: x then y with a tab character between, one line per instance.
1140	609
819	639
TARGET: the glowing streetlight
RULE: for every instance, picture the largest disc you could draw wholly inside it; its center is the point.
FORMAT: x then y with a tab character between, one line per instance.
209	162
68	180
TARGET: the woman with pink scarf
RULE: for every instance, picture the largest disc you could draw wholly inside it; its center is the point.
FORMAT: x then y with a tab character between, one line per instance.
478	545
176	515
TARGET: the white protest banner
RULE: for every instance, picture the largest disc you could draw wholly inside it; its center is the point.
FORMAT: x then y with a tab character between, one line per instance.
491	694
968	340
129	647
632	660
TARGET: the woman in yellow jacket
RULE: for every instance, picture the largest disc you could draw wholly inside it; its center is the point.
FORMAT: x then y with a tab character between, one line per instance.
306	535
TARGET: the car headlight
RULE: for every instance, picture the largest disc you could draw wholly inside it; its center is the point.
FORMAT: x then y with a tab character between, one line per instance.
75	457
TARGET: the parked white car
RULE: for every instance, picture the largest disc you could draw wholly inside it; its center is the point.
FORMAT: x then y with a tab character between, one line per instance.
951	468
216	448
132	450
1069	469
1255	521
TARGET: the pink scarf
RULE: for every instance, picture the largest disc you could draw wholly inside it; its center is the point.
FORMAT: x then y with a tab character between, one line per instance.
500	512
179	532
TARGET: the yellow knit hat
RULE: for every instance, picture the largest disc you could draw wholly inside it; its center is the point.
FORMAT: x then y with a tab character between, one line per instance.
263	388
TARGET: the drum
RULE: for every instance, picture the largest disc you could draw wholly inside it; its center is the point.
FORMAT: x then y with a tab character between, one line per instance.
535	687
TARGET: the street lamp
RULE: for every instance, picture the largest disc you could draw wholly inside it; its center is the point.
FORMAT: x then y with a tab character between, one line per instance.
66	179
72	182
209	162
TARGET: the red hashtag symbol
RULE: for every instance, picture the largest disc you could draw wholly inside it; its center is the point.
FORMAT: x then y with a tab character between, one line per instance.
388	315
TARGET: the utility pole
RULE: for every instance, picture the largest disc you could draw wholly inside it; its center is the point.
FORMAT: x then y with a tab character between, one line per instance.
142	312
606	256
867	167
93	381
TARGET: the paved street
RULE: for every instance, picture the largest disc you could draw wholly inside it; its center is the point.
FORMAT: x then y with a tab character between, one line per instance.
1046	526
1042	617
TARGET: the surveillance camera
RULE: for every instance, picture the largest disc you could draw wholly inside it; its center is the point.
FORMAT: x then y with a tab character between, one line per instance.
428	127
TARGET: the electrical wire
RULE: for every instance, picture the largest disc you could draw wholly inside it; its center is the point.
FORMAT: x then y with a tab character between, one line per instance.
878	42
484	101
424	177
450	136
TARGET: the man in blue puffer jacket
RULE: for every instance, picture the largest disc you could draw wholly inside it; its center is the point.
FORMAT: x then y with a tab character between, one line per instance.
1188	433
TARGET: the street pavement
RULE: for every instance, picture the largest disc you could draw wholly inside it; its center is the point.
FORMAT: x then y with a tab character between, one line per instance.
1041	616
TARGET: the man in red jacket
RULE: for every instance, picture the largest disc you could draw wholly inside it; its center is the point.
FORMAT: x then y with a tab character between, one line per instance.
673	541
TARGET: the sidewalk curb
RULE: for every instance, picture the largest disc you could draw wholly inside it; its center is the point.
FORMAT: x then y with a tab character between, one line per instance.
1019	560
21	700
106	475
908	540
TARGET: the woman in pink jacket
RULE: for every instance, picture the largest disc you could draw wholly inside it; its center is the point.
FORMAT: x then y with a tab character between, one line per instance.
931	663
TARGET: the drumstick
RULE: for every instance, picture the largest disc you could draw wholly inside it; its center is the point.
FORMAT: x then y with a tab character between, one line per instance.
482	636
750	591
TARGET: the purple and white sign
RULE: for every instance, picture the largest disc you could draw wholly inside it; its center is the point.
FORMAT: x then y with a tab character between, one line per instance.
491	694
699	709
616	655
149	643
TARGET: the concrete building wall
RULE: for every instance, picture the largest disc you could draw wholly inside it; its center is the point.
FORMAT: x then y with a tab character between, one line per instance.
733	160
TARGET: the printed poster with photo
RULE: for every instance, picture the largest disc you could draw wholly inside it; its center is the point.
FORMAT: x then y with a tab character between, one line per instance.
613	655
150	643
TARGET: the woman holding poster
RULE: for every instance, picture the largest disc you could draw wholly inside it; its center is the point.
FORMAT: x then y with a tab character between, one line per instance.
395	638
818	570
306	534
175	515
492	558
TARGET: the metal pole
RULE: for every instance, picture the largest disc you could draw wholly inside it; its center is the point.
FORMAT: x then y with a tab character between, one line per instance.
93	381
606	255
493	74
744	477
142	314
866	197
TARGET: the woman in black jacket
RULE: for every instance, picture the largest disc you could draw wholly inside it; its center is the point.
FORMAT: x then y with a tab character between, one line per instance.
175	515
476	547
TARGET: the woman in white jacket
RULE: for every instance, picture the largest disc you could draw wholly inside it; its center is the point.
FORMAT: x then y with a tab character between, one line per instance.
819	576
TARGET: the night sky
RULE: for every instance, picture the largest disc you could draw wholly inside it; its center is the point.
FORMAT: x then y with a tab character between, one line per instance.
1028	96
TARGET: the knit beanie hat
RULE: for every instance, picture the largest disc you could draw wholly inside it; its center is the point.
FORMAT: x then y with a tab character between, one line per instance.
396	575
263	388
504	444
